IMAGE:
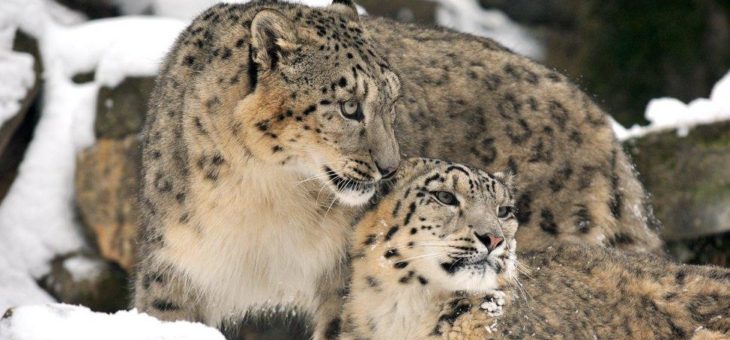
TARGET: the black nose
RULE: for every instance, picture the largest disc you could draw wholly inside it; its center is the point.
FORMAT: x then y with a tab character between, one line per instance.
387	172
491	241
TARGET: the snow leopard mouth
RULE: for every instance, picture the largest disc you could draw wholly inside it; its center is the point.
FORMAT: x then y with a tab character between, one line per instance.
349	190
479	263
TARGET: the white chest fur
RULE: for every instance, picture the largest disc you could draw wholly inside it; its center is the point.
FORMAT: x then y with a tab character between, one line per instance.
259	238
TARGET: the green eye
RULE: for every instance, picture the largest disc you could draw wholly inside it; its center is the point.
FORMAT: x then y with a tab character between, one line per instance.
446	197
351	109
505	211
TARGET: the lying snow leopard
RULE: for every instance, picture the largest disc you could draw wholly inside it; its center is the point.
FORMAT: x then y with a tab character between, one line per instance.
444	234
588	292
443	238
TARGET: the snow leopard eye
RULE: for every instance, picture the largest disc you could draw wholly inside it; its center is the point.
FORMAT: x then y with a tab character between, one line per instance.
505	211
446	197
351	109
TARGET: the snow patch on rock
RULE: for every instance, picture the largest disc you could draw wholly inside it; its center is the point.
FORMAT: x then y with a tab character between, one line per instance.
670	113
467	16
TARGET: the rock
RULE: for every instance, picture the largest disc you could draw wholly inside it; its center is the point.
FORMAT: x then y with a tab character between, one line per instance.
120	111
689	178
419	11
94	9
708	250
26	44
545	12
106	183
87	280
16	132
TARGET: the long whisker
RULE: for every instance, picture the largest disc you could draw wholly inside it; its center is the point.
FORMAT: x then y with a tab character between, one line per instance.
420	257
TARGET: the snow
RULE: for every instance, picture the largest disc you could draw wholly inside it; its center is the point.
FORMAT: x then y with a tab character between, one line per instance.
115	48
16	79
66	322
189	9
467	16
670	113
37	219
83	268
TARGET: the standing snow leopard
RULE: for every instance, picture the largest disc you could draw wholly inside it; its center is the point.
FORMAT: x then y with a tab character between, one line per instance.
271	123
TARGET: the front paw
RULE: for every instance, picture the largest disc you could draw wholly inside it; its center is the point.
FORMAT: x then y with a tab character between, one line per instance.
493	303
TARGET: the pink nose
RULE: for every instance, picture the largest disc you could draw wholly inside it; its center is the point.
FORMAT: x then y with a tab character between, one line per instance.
491	241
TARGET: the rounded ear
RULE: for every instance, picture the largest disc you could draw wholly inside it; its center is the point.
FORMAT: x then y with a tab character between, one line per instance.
273	38
505	177
345	7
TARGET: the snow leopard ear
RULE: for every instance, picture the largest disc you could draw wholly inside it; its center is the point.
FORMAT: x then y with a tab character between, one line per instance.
507	178
273	39
345	7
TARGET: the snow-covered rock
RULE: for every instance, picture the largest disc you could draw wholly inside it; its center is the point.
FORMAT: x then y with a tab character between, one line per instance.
670	113
16	80
467	16
67	322
37	217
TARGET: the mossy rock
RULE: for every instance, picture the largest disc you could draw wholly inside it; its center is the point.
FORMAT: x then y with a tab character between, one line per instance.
120	111
689	178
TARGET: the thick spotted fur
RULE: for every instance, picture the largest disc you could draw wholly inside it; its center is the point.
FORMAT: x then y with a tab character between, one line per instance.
467	99
268	124
405	285
270	119
589	292
440	240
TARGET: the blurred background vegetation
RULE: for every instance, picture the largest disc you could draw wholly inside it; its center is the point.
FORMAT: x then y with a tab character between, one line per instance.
624	52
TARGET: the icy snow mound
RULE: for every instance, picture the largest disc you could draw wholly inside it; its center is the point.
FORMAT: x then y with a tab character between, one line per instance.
467	16
66	322
670	113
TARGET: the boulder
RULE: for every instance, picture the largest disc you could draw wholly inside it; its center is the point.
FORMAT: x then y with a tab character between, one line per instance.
120	110
106	184
88	280
418	11
15	132
689	178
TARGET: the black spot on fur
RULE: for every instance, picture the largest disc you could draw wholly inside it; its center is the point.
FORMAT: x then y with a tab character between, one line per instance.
620	239
391	252
391	232
548	222
333	329
372	282
370	240
309	110
253	71
411	210
164	305
523	208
